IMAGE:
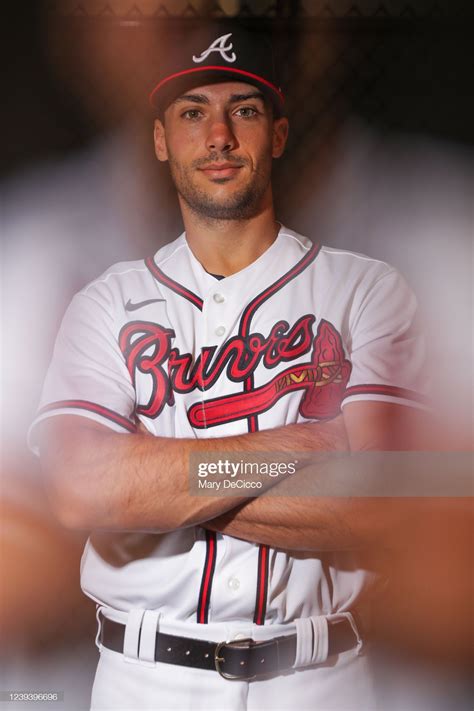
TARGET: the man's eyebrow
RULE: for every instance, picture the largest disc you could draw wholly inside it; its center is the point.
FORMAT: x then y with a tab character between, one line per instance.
193	98
244	97
233	99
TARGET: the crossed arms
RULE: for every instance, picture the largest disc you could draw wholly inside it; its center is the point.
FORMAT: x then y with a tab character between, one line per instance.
99	479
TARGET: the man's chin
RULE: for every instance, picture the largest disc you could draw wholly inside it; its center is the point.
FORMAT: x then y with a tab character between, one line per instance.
223	198
216	210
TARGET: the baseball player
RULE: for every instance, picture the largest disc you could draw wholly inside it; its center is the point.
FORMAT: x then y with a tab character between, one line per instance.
238	336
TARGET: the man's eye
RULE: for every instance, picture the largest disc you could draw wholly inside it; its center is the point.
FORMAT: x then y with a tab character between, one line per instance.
191	114
246	112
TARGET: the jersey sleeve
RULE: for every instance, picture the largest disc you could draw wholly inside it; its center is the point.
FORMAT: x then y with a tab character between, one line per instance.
87	375
387	349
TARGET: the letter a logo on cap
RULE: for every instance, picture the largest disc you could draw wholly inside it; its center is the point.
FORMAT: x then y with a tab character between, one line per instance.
219	45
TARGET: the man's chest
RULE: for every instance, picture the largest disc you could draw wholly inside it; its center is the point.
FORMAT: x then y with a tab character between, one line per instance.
222	367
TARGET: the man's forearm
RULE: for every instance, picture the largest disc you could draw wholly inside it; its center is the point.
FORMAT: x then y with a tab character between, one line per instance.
293	523
316	523
313	523
101	479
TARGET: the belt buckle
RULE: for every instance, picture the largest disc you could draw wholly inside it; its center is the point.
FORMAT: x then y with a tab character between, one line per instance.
218	659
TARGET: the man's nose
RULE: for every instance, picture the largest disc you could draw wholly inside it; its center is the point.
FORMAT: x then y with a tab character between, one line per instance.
221	137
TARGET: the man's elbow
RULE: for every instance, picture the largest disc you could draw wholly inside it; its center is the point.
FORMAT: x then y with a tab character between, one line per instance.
81	500
71	518
73	500
77	487
73	473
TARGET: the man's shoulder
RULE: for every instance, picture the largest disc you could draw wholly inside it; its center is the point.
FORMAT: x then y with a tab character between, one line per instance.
344	262
121	274
335	258
115	277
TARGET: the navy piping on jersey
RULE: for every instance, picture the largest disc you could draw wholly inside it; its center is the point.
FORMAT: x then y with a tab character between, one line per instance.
389	390
262	585
207	578
90	407
172	284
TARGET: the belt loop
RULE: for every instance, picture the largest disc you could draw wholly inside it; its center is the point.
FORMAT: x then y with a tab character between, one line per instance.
360	642
132	636
320	639
303	641
312	641
150	623
97	640
350	618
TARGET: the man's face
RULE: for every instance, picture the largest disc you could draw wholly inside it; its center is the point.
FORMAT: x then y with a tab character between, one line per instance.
219	140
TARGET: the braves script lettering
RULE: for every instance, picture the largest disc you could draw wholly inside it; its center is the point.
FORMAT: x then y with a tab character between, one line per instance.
147	349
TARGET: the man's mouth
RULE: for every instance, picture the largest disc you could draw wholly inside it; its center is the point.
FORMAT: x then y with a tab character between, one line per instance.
221	170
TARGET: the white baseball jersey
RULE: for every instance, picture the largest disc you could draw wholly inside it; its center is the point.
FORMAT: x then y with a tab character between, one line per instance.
293	337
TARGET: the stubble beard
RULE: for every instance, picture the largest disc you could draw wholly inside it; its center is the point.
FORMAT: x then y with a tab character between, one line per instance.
242	204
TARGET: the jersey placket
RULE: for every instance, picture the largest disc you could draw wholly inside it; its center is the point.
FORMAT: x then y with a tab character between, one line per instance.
215	328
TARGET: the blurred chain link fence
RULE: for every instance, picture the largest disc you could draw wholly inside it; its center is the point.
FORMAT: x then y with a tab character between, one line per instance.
397	64
140	9
405	64
402	64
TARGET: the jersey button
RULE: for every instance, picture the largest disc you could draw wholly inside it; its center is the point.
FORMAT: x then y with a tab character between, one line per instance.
218	298
220	330
234	583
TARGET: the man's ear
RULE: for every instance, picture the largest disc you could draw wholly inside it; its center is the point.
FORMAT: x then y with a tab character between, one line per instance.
160	142
280	136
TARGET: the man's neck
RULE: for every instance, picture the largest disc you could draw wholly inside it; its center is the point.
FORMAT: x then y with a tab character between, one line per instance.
228	246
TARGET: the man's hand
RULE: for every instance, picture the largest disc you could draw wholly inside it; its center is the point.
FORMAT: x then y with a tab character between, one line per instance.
314	523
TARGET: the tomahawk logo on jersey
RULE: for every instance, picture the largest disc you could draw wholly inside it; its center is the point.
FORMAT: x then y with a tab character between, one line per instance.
297	334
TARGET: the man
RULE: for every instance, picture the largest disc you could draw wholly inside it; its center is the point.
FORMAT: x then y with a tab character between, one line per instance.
241	337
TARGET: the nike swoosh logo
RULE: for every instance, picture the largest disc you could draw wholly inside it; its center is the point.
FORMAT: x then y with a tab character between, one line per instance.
133	307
